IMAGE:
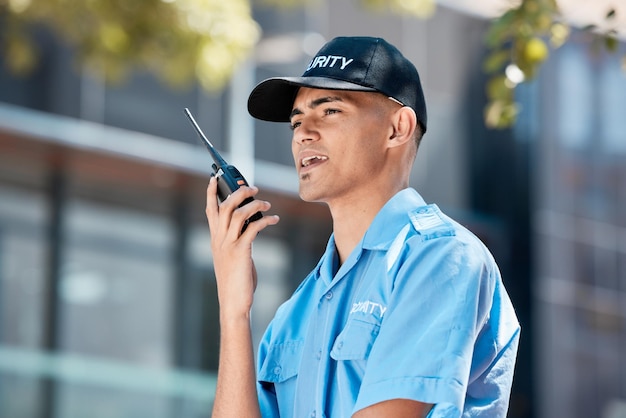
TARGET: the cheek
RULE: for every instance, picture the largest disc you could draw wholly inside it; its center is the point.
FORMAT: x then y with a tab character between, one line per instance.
294	152
369	147
359	160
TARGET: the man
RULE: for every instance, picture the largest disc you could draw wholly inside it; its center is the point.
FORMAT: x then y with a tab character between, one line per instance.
406	314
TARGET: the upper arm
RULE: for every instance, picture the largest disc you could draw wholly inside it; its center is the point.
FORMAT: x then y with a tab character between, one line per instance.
423	348
396	408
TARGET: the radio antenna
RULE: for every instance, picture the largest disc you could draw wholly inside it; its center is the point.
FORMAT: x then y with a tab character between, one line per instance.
219	161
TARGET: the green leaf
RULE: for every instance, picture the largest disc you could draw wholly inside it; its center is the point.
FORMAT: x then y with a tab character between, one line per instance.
500	114
611	14
496	61
498	89
611	43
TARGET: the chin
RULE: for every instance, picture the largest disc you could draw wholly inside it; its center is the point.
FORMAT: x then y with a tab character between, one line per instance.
308	195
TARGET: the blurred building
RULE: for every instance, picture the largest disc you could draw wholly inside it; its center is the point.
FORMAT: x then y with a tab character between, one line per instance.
579	232
107	295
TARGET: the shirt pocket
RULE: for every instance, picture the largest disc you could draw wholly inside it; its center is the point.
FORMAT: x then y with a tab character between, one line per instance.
355	341
281	362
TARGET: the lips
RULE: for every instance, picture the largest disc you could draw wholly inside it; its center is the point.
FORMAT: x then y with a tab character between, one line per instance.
312	160
309	159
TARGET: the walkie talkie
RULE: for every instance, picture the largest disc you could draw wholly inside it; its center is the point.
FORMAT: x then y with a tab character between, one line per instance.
228	177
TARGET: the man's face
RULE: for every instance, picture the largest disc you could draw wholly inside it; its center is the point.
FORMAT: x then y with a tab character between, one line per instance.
338	142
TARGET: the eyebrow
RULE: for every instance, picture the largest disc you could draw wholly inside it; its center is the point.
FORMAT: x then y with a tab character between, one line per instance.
315	103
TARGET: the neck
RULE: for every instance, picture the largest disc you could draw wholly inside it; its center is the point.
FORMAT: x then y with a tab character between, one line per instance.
352	218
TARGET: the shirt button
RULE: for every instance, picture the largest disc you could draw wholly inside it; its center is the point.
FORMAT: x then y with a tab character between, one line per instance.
313	414
318	355
277	370
329	295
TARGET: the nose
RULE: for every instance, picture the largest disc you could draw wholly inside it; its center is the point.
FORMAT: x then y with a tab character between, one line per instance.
305	132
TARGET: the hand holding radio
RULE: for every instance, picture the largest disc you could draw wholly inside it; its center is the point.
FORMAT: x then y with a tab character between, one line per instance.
232	249
229	179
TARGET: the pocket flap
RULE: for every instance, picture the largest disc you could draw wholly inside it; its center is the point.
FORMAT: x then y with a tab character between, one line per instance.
355	341
282	362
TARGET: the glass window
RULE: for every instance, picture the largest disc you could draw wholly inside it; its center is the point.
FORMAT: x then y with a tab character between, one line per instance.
115	283
575	98
584	263
22	266
612	87
22	277
115	306
621	272
606	269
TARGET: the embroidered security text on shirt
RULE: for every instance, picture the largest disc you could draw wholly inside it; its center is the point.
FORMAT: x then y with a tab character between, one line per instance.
368	307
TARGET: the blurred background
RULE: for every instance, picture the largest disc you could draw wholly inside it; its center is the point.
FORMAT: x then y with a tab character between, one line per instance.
107	295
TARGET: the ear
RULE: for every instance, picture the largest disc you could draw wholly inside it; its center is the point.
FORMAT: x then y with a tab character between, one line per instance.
404	123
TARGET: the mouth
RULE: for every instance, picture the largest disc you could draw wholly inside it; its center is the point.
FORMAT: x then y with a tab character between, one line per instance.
312	160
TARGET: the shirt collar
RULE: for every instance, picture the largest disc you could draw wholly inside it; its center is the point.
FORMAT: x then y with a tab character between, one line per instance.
327	267
390	219
393	216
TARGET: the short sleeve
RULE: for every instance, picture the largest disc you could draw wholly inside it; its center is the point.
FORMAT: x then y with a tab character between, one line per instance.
440	297
266	392
267	400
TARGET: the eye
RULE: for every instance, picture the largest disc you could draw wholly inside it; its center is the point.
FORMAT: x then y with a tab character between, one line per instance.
331	111
295	125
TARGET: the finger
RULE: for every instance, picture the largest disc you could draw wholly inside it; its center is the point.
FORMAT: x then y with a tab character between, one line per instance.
212	207
232	202
257	226
245	212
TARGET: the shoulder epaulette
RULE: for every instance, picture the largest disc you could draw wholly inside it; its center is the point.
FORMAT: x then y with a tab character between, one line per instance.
430	223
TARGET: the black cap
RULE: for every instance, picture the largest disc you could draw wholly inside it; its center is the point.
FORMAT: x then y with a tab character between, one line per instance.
344	63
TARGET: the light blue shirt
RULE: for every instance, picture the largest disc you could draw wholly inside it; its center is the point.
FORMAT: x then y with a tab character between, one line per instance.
418	311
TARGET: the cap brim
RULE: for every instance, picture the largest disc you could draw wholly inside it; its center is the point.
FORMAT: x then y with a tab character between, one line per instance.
272	99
